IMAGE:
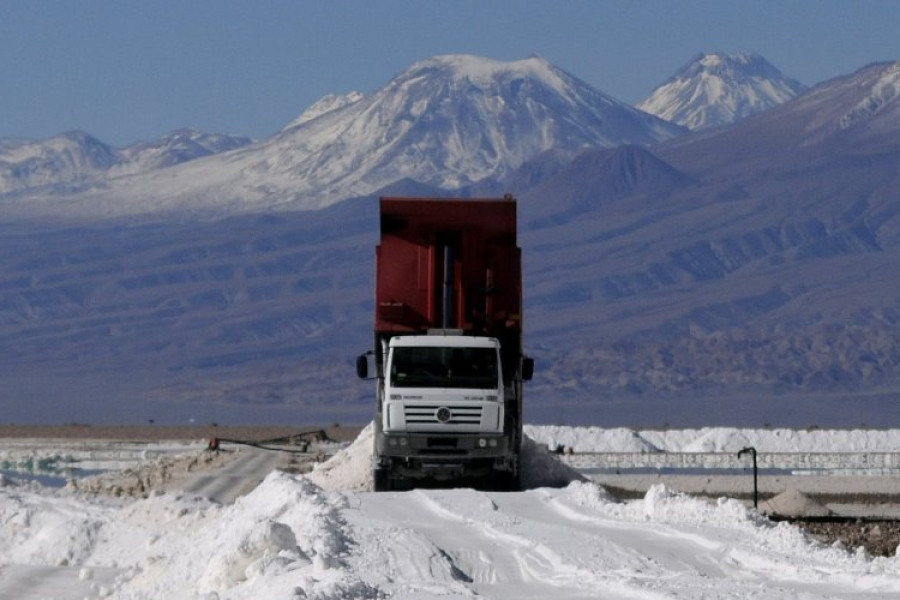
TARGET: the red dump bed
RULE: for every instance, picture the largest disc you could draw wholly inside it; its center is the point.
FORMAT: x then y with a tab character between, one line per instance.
480	292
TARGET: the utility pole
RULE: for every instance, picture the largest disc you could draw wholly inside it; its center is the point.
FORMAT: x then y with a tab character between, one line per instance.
752	451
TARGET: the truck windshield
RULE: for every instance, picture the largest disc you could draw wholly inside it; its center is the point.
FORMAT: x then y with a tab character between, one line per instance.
432	366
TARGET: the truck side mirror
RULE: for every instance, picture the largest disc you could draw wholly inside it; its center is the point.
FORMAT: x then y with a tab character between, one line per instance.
527	368
362	366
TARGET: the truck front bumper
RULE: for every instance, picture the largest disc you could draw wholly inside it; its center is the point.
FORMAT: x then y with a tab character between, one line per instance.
444	456
443	445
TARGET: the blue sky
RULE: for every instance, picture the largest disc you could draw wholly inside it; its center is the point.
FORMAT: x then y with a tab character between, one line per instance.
128	70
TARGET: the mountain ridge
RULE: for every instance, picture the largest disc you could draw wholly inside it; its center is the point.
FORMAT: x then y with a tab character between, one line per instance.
448	122
77	158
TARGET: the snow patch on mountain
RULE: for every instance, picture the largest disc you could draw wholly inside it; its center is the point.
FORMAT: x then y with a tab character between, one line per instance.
69	158
717	89
327	104
884	91
76	160
177	147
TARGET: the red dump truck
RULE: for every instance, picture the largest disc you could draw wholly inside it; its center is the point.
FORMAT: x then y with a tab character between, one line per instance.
448	361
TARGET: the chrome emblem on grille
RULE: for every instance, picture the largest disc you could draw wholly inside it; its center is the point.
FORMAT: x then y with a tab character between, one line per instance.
443	414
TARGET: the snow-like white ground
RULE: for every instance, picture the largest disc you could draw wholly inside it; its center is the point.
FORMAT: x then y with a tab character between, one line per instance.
324	536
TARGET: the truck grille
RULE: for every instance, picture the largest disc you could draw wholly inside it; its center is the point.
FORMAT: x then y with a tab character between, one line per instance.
428	414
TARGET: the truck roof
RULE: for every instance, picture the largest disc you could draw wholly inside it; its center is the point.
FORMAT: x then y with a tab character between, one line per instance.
444	341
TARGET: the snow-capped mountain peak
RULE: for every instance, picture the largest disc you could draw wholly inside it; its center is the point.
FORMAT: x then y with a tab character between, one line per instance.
451	120
485	73
717	89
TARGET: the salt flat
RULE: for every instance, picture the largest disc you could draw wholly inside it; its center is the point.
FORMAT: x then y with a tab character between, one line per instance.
324	536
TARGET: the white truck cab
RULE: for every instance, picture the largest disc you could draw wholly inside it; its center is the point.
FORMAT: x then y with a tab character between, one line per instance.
443	384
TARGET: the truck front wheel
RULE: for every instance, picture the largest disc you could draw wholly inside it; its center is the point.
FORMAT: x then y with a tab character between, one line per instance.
381	480
505	481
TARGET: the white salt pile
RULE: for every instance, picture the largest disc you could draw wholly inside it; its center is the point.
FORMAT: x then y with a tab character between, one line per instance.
794	503
350	469
539	468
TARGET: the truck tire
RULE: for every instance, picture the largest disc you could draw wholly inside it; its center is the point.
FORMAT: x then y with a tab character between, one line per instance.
505	481
381	480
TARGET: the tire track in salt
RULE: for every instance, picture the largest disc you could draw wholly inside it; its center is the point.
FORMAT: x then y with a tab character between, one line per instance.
651	556
234	479
694	565
498	545
397	549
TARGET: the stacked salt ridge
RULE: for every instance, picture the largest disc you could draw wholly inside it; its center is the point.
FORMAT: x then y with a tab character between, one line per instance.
715	439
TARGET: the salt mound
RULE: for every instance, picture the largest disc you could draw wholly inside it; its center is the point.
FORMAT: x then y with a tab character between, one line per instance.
591	439
351	468
794	503
539	468
718	440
